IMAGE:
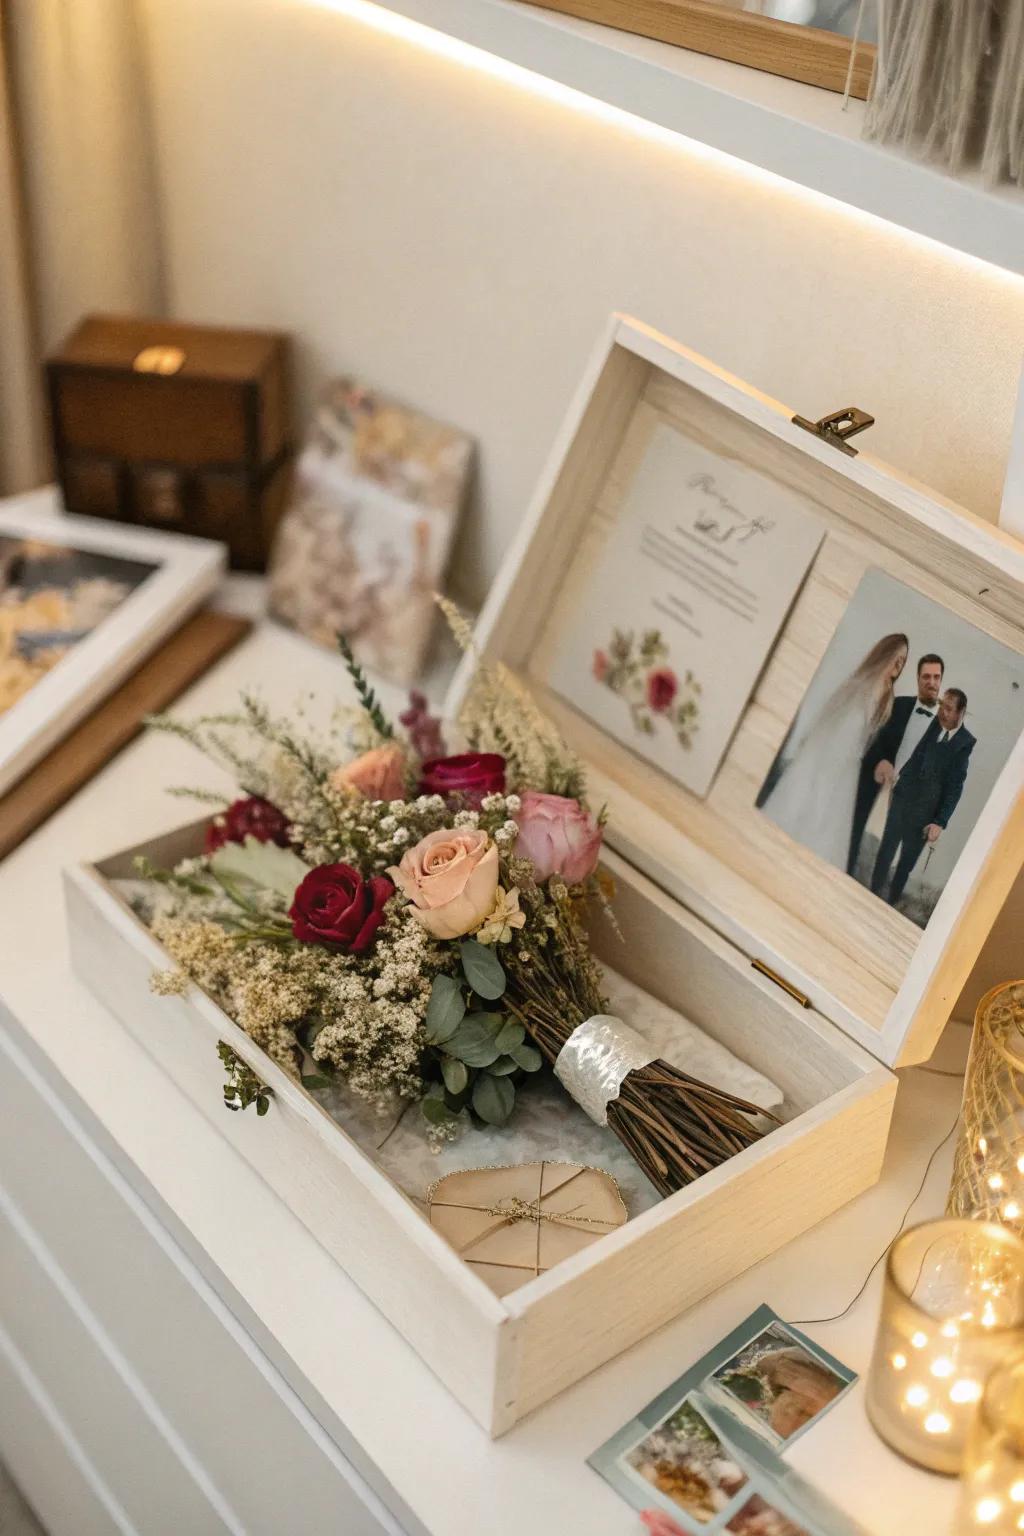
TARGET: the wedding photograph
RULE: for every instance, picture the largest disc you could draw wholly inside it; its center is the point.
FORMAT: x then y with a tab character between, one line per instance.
778	1380
756	1518
900	739
684	1460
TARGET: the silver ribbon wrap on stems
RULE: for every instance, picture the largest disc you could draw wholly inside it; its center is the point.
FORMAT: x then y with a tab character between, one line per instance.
596	1059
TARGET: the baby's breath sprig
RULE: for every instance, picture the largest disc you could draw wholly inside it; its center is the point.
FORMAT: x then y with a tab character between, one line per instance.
367	698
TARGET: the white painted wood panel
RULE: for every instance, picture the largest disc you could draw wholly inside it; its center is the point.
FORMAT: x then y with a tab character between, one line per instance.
143	1327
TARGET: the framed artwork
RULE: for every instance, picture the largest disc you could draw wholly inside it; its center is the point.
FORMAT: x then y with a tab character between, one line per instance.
807	40
82	603
364	543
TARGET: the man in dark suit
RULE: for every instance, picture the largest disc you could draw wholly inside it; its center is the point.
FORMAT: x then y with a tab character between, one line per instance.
926	791
893	744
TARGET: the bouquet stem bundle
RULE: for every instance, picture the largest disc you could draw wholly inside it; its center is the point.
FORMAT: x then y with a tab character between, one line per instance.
673	1125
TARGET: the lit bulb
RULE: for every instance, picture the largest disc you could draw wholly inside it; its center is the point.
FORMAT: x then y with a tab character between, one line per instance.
1011	1210
982	1145
1020	1164
996	1181
937	1424
1017	1493
942	1367
919	1340
987	1510
917	1396
949	1330
988	1316
965	1391
899	1362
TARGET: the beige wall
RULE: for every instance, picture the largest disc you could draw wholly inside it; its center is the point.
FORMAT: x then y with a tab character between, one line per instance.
461	240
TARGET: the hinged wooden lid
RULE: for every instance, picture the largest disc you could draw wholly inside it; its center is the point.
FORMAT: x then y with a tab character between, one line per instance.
886	982
170	349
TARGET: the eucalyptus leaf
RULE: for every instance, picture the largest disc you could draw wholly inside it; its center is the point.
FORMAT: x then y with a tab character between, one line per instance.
493	1098
484	971
511	1035
445	1010
503	1067
455	1074
264	864
473	1042
437	1112
313	1080
528	1057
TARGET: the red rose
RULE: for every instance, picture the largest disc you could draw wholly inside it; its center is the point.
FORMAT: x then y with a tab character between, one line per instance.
473	774
600	665
334	905
253	817
662	687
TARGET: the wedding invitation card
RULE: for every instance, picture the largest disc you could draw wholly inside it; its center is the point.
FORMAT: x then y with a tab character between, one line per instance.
684	606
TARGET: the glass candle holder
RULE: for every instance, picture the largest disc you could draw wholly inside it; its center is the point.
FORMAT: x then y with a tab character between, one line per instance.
992	1500
952	1309
988	1167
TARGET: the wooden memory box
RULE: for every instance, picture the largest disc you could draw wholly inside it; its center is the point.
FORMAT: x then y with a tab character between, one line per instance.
800	970
182	427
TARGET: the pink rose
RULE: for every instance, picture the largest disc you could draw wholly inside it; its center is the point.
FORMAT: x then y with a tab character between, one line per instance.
600	665
558	836
662	687
450	877
377	775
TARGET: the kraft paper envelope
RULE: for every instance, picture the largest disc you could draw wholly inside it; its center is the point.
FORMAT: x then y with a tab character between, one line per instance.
512	1224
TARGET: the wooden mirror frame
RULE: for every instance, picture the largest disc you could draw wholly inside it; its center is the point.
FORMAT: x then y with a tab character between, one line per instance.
808	54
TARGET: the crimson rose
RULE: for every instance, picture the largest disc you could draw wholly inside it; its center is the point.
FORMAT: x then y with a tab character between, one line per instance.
253	817
334	905
473	774
662	687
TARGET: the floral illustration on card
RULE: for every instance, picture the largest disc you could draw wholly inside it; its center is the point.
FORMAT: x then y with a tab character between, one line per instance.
637	668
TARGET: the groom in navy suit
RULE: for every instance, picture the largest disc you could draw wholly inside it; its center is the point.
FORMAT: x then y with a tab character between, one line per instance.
890	748
926	790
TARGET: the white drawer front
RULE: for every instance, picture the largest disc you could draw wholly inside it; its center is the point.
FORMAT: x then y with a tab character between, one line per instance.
185	1420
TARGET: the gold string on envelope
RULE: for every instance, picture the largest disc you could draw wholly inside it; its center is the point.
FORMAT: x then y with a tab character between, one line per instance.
514	1223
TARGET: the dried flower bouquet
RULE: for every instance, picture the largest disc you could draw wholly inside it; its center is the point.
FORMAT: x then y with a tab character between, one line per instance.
413	923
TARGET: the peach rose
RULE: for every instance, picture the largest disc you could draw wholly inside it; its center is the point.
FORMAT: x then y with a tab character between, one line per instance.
377	775
450	877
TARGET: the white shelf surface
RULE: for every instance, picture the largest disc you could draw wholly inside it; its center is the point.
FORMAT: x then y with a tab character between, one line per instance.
794	131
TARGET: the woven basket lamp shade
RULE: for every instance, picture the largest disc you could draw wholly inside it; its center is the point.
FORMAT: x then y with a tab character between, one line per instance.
988	1169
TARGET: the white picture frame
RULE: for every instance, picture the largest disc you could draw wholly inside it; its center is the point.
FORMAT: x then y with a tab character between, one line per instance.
187	570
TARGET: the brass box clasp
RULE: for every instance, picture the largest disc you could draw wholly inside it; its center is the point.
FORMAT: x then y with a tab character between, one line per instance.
838	427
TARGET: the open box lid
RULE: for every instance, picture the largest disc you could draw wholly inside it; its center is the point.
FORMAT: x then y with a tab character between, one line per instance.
664	465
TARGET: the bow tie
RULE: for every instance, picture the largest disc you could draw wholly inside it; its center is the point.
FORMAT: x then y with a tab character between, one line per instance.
920	710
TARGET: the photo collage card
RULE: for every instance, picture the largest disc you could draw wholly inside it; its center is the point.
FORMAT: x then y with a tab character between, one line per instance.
706	1455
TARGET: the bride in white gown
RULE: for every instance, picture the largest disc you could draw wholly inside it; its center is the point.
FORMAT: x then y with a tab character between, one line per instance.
815	795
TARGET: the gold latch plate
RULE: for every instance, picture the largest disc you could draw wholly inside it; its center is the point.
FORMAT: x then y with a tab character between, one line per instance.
838	427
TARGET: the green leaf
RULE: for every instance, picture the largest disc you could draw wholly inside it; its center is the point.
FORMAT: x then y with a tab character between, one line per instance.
503	1067
528	1057
264	864
314	1080
493	1098
511	1035
445	1011
473	1041
262	1104
484	971
437	1111
455	1074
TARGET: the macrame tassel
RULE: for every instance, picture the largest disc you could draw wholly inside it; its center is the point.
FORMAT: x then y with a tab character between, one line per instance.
929	93
1003	156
